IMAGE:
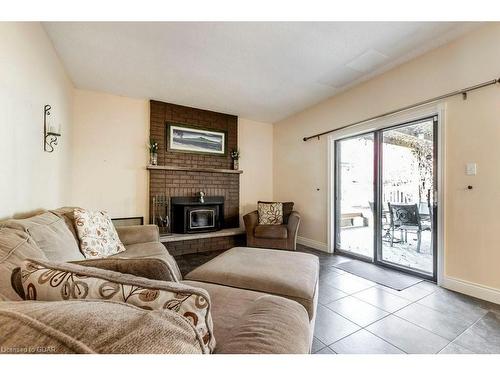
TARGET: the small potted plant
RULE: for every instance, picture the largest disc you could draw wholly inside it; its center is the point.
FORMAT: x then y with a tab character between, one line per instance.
153	152
235	155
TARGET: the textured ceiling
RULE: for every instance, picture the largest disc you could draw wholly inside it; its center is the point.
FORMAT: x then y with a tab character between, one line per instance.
262	71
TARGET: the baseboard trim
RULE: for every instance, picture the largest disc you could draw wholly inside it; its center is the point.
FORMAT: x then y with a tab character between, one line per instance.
321	246
472	289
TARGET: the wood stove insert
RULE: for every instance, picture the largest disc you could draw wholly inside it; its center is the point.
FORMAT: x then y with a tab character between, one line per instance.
197	214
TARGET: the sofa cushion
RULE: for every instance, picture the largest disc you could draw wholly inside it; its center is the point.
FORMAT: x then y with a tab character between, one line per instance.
272	325
15	247
270	213
227	306
54	281
86	326
293	275
67	213
151	250
51	234
271	231
233	311
97	234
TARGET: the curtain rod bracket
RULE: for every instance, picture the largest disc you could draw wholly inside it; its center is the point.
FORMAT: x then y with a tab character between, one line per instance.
464	95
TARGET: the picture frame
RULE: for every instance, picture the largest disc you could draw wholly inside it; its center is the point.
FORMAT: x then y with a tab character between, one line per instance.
193	139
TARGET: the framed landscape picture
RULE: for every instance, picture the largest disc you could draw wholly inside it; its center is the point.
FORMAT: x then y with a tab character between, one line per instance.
183	138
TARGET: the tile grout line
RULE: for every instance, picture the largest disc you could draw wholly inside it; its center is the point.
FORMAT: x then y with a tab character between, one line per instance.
465	330
352	321
324	345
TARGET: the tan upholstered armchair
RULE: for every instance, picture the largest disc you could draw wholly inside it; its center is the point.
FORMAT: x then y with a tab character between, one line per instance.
272	236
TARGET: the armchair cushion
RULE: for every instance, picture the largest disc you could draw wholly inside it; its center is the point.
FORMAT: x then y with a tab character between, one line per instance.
271	231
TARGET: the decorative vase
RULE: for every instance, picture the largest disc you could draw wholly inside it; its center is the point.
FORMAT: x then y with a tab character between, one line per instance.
154	158
236	164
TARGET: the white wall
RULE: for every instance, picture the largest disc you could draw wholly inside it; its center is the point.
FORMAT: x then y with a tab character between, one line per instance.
472	134
255	141
110	153
31	76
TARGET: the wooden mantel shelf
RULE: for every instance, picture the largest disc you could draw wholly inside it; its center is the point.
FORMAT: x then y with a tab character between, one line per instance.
191	169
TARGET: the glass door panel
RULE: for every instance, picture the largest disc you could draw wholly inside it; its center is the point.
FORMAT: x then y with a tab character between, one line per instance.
407	184
354	193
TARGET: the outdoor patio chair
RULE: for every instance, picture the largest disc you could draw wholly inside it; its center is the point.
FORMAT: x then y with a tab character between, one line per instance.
406	217
385	223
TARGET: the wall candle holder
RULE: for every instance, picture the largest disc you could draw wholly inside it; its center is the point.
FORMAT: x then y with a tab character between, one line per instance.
50	137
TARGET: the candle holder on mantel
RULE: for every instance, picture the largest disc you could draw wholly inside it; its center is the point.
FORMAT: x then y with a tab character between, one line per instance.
160	214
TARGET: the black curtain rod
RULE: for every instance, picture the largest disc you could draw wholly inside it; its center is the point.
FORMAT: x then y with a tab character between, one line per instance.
462	92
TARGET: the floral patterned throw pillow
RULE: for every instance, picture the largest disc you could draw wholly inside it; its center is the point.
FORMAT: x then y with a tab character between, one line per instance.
270	213
54	281
97	234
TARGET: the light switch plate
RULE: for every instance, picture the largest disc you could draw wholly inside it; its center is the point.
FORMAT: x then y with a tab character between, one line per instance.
471	169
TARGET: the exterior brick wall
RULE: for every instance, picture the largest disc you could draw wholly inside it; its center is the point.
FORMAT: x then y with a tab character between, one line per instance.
187	183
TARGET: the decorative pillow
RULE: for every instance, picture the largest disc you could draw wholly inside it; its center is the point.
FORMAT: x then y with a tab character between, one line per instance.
270	213
97	234
287	210
53	281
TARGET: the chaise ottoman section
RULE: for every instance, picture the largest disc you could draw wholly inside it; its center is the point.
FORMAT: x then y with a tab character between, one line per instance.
292	275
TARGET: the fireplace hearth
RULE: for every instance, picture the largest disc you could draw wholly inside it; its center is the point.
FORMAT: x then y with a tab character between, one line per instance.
195	215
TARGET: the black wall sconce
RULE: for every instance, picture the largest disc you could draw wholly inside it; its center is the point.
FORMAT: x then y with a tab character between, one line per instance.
50	135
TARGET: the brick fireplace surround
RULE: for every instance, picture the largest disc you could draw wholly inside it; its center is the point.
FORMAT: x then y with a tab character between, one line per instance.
188	183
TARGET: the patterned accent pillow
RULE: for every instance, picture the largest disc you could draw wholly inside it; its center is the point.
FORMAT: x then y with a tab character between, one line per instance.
97	234
53	281
270	213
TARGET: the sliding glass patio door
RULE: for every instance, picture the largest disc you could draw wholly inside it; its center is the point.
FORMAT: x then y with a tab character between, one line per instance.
355	196
407	186
385	197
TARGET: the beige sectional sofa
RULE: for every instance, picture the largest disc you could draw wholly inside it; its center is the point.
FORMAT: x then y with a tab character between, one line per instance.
260	302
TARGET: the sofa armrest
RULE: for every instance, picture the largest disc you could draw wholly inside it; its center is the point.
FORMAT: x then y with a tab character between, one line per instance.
133	234
251	220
